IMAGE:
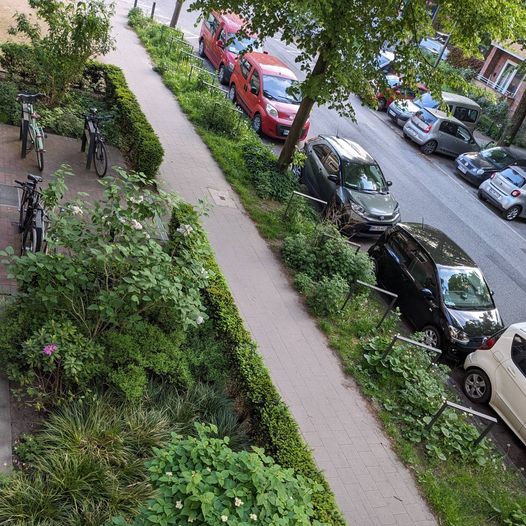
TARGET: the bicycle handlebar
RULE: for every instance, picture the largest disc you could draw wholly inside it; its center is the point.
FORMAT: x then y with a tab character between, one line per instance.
29	97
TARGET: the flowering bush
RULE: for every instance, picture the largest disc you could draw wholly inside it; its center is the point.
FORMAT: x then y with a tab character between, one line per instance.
201	480
56	364
104	268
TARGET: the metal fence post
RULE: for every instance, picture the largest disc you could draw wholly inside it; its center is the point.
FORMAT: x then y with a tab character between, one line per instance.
153	10
135	3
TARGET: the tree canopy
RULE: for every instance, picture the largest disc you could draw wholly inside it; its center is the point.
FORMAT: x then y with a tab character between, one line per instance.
339	41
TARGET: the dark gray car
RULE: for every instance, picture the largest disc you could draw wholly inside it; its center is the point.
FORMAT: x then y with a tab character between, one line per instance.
343	174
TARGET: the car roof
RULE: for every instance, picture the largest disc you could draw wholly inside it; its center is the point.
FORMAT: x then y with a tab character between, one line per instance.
455	98
270	65
440	248
349	150
521	170
232	21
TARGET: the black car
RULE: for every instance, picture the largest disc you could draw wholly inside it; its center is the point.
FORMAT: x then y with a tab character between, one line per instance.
476	167
440	289
341	173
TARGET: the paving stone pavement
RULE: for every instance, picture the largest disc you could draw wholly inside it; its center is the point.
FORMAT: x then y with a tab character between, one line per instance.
371	485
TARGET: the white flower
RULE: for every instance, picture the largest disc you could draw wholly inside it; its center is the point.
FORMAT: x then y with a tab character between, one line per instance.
224	518
137	200
135	224
185	230
238	502
199	320
209	470
179	505
190	519
204	273
253	517
76	210
169	474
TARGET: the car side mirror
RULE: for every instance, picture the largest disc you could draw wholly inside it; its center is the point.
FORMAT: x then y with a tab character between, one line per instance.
427	294
220	44
492	292
389	183
254	90
333	178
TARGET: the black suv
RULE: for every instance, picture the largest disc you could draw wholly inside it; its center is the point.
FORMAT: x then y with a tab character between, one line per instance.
440	289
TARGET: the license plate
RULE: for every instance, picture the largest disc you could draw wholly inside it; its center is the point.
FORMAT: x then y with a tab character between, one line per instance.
391	112
285	132
462	168
377	228
494	192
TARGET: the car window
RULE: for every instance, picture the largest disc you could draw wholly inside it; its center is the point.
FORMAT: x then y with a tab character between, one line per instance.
464	288
513	177
245	67
281	89
212	23
465	114
518	353
254	81
237	44
421	269
448	127
463	134
426	117
328	158
222	36
364	177
500	157
401	247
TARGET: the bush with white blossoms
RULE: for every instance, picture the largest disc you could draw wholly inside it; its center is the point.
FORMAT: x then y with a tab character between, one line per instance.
200	480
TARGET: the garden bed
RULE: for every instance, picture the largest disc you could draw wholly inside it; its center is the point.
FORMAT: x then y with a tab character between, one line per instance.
465	485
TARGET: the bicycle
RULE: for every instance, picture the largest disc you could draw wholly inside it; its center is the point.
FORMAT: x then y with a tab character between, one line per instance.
29	125
100	157
33	219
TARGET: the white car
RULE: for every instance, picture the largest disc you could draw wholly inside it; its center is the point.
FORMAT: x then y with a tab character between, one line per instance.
497	374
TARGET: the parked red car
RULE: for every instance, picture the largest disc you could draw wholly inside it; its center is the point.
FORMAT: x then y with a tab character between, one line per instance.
266	89
396	91
219	43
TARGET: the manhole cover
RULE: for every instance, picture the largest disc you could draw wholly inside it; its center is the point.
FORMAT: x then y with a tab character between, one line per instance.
8	195
222	198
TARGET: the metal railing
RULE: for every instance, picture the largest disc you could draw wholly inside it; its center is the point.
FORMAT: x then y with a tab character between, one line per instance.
495	86
427	348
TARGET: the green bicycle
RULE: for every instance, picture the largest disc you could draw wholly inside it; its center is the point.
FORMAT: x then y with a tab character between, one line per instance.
29	126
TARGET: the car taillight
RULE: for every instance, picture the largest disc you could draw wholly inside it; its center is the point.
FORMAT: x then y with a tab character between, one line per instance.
488	343
516	193
493	175
427	130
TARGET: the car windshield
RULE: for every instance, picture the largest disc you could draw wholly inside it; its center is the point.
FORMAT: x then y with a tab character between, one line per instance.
426	101
281	89
464	288
498	156
363	177
513	177
238	45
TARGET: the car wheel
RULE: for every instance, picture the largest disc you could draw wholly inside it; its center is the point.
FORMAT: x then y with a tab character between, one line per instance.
477	386
429	147
232	93
298	172
512	213
201	49
256	123
221	74
431	336
481	195
406	137
382	104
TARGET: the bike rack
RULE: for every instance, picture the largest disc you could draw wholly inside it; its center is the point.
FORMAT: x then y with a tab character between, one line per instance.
88	136
427	348
352	244
304	196
467	410
377	289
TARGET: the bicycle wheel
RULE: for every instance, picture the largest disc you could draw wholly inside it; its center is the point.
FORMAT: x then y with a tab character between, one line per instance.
31	240
40	159
100	159
24	206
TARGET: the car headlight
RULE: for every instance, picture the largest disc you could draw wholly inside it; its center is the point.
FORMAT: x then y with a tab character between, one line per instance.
273	112
480	171
358	209
457	335
230	67
396	210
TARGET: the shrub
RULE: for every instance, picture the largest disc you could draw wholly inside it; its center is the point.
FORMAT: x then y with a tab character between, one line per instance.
19	61
9	108
298	254
200	479
55	365
219	115
140	351
139	141
327	296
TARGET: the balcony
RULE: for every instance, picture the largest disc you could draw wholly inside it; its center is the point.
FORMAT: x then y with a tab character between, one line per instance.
495	87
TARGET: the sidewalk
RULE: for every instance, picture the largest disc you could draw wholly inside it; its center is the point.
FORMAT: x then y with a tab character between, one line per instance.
372	486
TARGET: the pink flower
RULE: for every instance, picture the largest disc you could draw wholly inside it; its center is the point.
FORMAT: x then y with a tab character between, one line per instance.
49	349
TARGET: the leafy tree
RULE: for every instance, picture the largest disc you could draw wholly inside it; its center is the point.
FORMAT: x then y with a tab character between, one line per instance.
72	33
339	41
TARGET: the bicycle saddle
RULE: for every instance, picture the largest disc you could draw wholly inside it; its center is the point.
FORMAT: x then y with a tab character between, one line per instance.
28	97
34	178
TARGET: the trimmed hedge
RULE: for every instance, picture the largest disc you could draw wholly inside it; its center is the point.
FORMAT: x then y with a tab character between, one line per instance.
141	144
277	431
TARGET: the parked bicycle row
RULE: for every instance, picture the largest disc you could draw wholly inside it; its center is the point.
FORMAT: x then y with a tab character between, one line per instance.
32	134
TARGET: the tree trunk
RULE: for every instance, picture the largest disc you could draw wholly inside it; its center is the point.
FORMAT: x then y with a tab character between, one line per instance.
515	123
177	12
304	110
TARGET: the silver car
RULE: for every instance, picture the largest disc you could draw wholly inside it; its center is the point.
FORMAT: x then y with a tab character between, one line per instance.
507	191
434	131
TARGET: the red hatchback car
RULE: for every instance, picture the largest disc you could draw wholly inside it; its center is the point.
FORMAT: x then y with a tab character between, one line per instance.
265	88
219	43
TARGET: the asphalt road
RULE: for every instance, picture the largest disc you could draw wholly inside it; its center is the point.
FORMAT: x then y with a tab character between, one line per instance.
428	190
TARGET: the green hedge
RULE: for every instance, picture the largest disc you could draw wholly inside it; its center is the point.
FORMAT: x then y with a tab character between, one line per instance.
141	144
276	429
